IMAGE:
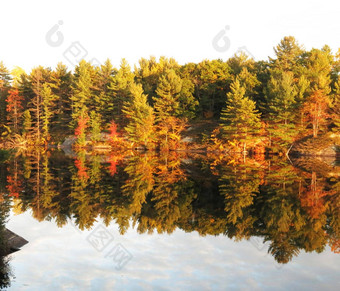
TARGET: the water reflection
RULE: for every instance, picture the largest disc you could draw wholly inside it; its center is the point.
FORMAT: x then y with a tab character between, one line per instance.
292	207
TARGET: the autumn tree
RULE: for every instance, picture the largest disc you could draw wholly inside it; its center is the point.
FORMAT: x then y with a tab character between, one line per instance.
14	108
316	110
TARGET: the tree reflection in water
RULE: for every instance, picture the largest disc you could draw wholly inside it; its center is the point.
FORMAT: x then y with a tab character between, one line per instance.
293	208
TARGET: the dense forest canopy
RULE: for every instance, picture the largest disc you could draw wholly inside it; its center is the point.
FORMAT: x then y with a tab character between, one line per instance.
254	104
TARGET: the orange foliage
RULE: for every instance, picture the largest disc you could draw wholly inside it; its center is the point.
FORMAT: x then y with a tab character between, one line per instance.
315	108
82	125
13	100
313	199
335	246
13	186
82	169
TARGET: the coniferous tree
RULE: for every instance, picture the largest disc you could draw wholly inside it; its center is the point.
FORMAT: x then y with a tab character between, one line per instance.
61	81
48	109
120	87
82	90
282	106
139	113
240	120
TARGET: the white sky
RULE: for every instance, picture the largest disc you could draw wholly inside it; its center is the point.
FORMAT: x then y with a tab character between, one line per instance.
180	29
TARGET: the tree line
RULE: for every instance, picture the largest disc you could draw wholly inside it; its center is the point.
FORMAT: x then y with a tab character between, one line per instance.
268	103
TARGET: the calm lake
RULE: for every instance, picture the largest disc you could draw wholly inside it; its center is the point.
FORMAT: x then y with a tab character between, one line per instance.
172	221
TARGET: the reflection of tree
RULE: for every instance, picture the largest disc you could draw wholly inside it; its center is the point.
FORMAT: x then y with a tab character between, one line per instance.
291	209
239	184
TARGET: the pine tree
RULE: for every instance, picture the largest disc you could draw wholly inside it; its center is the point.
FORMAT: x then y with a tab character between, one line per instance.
166	105
282	106
288	53
48	109
61	81
82	90
166	102
139	113
213	84
239	119
37	78
120	87
106	91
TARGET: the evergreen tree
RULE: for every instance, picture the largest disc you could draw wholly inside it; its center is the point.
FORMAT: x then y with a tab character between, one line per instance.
166	102
48	109
120	85
61	81
38	77
106	91
288	54
281	103
239	119
82	90
139	113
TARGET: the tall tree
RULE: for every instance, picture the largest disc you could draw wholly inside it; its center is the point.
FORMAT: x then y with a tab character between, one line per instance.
139	113
48	109
316	109
120	86
61	81
282	104
240	119
82	90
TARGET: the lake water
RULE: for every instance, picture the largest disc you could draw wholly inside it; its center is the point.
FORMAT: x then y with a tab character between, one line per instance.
174	221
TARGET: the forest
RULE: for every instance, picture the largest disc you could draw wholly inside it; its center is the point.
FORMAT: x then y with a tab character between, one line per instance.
237	105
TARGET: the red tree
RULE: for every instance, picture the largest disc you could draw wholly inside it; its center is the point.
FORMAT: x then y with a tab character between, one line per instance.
14	108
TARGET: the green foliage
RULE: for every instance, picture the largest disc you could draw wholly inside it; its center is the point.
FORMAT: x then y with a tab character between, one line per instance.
153	103
139	113
240	120
95	121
